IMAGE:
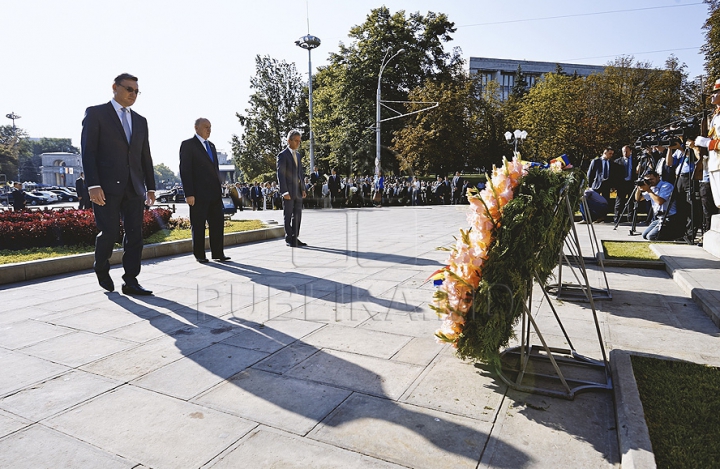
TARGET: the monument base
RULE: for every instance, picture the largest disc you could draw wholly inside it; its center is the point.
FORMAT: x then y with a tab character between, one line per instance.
711	239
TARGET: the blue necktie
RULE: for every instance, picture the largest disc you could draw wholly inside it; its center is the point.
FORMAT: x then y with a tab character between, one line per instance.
126	124
606	169
629	168
209	151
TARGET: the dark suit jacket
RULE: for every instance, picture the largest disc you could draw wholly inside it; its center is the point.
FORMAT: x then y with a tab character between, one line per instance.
334	184
595	173
200	176
18	196
108	160
290	177
81	189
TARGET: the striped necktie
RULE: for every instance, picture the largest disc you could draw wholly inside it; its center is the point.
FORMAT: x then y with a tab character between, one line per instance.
126	123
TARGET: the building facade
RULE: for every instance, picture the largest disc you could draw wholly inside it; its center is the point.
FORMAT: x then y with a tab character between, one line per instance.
503	71
60	168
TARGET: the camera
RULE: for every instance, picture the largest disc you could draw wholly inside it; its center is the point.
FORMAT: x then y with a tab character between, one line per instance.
641	182
671	134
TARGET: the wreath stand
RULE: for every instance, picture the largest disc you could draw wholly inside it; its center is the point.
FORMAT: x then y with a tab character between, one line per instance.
552	371
576	262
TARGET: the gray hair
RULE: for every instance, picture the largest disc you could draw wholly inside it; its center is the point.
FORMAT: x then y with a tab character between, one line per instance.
293	133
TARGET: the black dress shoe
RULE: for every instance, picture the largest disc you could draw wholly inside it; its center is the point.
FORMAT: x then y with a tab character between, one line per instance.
300	243
202	260
135	290
289	244
107	284
221	259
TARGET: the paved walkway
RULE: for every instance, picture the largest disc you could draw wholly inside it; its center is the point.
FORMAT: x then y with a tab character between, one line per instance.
320	357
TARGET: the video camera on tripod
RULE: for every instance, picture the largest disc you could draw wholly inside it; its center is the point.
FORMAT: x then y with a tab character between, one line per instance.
668	135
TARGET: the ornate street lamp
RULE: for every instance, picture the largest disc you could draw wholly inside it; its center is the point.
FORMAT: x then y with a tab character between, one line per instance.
14	117
309	43
513	138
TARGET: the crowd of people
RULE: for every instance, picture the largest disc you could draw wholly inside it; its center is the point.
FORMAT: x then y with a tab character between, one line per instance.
334	191
668	182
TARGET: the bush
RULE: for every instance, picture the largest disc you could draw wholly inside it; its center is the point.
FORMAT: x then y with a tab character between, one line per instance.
63	227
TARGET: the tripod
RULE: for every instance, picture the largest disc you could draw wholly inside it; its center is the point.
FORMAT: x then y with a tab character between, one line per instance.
646	162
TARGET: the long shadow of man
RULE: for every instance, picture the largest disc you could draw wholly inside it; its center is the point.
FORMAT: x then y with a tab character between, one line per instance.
238	354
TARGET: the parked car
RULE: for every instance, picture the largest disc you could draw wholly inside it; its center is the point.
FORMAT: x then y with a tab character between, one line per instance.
32	198
50	196
65	195
173	195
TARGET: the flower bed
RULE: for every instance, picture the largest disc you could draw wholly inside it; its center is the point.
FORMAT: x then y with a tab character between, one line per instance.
518	224
64	227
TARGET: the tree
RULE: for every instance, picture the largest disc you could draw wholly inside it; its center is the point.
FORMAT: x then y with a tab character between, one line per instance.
10	139
165	176
275	108
711	48
344	112
520	84
455	136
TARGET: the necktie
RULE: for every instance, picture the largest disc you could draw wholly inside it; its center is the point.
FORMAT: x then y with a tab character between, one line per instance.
606	169
209	151
126	123
629	168
295	157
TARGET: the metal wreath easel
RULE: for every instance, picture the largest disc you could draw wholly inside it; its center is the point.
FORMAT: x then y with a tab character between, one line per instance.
575	260
544	365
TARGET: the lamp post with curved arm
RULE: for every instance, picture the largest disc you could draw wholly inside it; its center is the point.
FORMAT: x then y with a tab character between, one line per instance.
383	64
515	137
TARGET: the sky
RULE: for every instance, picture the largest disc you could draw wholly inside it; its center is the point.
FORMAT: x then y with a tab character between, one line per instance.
195	59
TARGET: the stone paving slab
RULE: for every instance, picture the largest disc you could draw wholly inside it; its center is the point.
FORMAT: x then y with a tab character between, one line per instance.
289	404
10	423
152	429
360	341
199	371
57	394
20	370
21	334
77	349
370	375
41	447
404	434
265	447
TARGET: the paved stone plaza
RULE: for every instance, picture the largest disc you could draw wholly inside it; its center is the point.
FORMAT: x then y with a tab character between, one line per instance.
317	357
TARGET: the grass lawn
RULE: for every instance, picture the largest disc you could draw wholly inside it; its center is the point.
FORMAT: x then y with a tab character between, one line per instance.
681	402
10	257
628	250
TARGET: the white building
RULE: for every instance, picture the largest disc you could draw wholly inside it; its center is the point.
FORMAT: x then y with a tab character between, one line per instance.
60	168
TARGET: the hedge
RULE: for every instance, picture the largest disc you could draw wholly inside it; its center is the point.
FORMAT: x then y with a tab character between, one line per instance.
63	227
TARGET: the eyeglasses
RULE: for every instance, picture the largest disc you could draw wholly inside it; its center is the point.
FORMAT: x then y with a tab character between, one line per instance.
130	89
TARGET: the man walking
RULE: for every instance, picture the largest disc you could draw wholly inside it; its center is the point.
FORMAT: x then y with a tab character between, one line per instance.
599	174
290	179
119	168
625	182
202	183
18	197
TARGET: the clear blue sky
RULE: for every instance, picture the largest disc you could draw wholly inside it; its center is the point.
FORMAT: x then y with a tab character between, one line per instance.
196	58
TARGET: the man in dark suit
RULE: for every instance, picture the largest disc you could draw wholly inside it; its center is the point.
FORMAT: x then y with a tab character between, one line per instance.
600	174
119	169
256	196
457	184
82	192
625	181
290	179
334	188
18	197
316	182
202	184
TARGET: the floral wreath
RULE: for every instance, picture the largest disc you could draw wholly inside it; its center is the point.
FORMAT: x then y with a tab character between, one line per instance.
516	230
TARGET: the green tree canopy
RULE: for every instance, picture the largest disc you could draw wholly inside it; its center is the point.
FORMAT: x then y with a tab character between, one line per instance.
164	176
276	106
344	113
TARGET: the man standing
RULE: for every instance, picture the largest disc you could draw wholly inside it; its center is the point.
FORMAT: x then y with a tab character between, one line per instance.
203	191
599	173
457	184
290	179
334	187
116	156
256	196
18	197
82	192
316	184
626	181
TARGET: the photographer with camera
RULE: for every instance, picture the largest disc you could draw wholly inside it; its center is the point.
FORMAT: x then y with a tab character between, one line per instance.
658	193
681	161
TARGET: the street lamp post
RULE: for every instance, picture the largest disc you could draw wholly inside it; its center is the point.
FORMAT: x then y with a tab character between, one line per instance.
513	138
310	42
14	117
383	64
